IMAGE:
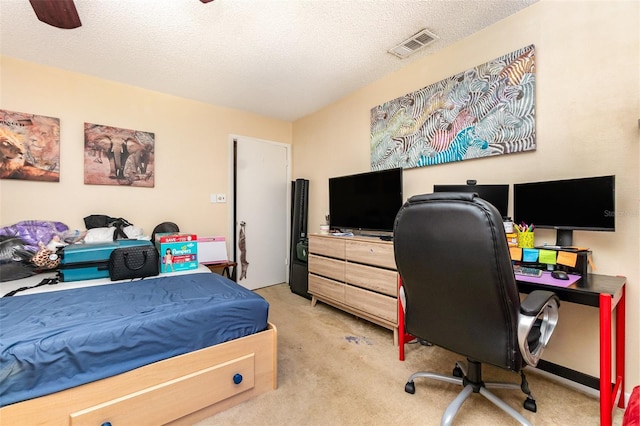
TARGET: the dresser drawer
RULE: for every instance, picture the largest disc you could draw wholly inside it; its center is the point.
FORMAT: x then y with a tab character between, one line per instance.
171	400
319	286
326	267
372	253
379	305
327	246
376	279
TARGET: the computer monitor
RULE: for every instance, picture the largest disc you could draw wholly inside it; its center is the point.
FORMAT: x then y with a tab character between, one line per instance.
566	205
498	195
365	201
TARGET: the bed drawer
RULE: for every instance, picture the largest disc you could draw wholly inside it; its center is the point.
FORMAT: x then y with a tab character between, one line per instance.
173	399
326	267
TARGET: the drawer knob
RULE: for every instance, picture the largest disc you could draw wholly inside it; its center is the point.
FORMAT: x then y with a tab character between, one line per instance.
237	378
106	424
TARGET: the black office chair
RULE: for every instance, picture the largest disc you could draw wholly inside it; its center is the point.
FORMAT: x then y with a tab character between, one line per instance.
459	292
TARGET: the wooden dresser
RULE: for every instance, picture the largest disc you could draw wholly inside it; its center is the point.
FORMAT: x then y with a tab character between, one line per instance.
357	275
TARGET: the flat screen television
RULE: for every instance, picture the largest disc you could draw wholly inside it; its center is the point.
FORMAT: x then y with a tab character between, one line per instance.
366	201
586	204
498	195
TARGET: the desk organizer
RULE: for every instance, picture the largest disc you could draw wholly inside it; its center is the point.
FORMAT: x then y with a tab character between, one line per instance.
526	239
564	259
581	266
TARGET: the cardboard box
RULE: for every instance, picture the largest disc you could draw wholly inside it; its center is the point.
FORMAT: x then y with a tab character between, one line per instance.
175	237
178	251
212	250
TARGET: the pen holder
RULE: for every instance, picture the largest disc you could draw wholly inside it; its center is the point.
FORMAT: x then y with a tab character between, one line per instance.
526	239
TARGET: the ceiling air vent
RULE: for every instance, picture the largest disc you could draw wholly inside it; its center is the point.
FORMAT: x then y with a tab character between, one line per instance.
413	44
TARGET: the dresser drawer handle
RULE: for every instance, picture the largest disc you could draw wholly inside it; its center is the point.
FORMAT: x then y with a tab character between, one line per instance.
237	378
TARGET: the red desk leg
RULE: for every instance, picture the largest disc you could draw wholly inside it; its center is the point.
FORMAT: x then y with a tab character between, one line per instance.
607	396
620	344
605	360
401	336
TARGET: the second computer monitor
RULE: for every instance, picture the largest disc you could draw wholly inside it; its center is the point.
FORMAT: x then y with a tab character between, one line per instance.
498	195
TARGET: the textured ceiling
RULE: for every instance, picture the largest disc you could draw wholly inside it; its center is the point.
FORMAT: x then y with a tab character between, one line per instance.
279	58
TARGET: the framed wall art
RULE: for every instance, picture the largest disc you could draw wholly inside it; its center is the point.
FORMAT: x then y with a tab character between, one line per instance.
115	156
485	111
29	146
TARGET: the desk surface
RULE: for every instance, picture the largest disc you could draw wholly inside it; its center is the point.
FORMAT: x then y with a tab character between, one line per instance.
584	291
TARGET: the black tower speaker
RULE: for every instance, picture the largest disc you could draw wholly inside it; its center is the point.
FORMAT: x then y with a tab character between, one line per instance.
298	271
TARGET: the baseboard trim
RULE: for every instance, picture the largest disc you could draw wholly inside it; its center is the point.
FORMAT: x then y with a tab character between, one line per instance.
574	385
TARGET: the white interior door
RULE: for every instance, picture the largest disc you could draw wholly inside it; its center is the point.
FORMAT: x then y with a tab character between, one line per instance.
262	202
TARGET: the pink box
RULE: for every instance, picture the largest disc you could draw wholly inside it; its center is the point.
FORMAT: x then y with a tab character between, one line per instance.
212	250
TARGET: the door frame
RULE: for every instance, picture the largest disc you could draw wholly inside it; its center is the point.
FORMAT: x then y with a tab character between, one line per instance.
231	199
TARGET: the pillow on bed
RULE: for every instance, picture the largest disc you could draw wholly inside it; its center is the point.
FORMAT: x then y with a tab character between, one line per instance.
134	232
99	235
105	235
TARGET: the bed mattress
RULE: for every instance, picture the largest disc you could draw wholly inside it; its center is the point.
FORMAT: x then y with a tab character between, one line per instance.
61	339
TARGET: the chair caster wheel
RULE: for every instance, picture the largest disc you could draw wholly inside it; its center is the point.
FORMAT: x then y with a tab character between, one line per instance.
530	404
457	372
410	388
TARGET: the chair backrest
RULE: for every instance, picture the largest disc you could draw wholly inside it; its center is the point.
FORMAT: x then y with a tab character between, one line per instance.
461	294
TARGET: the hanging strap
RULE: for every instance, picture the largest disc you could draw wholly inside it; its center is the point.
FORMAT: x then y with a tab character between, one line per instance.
46	281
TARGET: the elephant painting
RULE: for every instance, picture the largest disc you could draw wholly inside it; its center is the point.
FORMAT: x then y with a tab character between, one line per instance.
129	155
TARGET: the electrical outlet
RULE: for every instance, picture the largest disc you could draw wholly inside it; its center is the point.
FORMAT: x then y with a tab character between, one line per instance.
221	198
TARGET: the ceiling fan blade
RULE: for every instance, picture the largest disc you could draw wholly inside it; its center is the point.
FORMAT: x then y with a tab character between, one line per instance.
58	13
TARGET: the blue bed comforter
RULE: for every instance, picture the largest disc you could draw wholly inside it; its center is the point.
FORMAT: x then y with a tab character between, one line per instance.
57	340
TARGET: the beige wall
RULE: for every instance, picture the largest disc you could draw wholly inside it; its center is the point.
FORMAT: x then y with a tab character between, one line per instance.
587	109
191	151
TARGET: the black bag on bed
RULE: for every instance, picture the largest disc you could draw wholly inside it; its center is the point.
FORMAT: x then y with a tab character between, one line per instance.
133	262
104	221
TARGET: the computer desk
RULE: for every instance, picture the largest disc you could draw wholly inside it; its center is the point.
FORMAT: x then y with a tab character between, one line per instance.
605	293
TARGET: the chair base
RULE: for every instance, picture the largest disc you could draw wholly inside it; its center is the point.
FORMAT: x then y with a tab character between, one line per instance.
472	383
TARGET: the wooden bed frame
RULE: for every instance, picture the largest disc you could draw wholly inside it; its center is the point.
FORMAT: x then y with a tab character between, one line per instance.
179	391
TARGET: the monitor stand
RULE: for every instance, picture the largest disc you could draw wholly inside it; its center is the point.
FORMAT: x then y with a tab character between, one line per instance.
564	237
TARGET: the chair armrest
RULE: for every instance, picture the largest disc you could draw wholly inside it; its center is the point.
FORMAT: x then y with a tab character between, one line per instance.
535	301
540	310
403	299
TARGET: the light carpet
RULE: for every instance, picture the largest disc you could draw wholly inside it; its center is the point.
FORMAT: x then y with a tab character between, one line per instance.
336	369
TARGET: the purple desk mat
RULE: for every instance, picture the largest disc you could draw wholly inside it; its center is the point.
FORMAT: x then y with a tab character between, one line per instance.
547	279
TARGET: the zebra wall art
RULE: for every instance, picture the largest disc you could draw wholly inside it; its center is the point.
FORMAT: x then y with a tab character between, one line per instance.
482	112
